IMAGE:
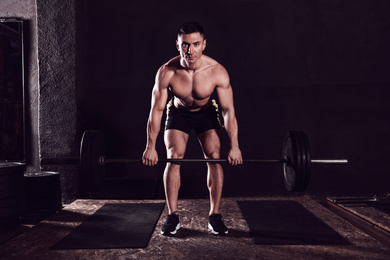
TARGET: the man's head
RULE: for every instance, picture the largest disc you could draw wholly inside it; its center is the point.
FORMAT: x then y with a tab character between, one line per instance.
191	42
191	27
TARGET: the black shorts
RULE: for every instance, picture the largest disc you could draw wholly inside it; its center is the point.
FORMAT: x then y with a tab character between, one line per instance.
201	121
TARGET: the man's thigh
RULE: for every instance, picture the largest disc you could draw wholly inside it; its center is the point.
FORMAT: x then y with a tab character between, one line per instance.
175	143
210	141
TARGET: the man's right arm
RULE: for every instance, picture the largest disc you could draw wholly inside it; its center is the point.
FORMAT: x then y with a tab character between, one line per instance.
159	100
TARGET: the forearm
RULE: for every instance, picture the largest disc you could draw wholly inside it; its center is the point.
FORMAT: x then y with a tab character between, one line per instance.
231	128
153	128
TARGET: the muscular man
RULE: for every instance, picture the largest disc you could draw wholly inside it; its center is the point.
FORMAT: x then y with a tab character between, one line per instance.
192	78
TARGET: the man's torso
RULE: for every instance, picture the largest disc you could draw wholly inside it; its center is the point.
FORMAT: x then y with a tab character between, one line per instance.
192	89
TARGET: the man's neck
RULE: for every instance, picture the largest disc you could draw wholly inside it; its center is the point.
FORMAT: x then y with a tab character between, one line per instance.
192	67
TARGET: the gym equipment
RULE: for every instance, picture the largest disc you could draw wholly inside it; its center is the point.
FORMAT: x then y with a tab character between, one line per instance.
296	161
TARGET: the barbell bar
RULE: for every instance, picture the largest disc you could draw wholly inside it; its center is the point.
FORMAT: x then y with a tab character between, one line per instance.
104	161
92	161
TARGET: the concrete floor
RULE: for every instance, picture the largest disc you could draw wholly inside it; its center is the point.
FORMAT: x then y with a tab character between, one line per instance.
193	241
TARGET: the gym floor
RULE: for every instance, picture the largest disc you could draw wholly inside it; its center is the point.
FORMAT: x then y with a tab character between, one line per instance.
193	241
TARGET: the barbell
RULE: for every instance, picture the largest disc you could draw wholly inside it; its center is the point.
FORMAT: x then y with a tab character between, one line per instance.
296	161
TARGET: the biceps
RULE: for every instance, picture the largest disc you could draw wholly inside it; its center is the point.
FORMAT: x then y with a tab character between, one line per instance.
225	98
159	99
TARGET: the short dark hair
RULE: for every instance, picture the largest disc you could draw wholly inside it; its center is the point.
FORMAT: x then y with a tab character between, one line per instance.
191	27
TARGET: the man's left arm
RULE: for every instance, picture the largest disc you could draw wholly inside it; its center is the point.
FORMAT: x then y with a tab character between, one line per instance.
225	97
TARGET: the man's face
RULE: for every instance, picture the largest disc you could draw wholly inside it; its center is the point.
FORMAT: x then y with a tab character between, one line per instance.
191	47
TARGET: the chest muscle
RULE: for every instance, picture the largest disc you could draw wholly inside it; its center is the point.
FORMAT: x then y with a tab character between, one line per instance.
192	87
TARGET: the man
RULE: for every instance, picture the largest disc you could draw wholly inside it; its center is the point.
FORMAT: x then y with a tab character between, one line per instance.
192	78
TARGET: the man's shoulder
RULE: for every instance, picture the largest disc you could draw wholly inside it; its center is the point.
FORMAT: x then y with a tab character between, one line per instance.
208	61
218	71
172	64
214	65
168	69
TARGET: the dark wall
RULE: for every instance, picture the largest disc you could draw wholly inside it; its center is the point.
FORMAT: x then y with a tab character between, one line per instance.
26	10
58	121
317	66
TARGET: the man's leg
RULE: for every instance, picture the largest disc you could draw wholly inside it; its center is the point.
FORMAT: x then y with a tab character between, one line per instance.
175	143
211	145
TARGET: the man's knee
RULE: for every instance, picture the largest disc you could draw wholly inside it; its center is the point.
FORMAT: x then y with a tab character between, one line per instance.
174	154
214	166
212	153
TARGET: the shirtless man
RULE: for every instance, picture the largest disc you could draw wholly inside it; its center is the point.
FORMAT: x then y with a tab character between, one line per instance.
192	78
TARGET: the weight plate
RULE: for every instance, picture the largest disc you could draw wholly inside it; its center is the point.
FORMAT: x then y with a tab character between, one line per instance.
84	161
296	152
44	206
43	196
92	149
306	160
11	186
7	178
45	177
42	188
11	176
12	168
300	169
289	155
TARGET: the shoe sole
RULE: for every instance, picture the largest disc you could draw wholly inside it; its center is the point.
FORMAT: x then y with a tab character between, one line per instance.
171	232
215	232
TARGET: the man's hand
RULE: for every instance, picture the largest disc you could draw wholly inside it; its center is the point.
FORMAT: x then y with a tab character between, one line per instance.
150	157
234	156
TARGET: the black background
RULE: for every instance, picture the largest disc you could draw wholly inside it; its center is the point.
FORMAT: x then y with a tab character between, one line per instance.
318	66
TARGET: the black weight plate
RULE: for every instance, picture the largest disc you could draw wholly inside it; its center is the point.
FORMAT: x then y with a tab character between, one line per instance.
44	206
43	197
84	161
300	169
306	160
42	201
40	188
44	177
98	152
7	178
295	169
92	149
42	183
43	189
11	174
289	154
11	186
7	168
